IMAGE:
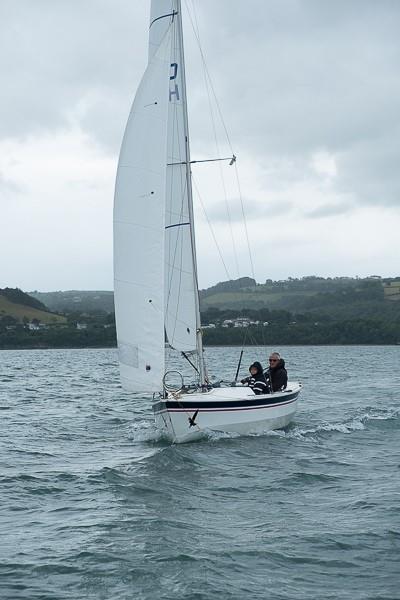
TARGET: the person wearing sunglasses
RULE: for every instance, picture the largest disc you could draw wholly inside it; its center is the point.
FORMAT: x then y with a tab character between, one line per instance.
276	373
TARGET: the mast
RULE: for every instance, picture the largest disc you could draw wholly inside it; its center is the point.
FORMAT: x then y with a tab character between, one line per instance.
199	338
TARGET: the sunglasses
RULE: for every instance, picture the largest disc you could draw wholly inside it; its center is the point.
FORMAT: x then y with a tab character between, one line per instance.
273	359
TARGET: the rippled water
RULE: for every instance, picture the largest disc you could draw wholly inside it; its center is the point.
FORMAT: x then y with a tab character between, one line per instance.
94	504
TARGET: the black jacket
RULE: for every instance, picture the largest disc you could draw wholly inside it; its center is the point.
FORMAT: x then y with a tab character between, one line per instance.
277	376
258	381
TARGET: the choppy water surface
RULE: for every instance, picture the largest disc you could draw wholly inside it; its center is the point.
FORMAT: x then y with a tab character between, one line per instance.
94	504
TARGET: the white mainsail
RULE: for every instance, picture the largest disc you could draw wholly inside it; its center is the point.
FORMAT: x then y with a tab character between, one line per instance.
179	275
139	222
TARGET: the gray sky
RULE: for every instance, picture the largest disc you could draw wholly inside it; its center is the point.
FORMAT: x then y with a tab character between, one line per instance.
309	91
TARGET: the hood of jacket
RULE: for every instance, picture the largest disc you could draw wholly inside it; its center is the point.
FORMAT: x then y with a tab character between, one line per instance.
258	366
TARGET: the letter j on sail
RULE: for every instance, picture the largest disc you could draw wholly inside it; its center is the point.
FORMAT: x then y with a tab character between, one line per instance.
174	91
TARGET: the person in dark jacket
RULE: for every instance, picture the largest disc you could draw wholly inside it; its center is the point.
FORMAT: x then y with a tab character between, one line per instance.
256	381
276	374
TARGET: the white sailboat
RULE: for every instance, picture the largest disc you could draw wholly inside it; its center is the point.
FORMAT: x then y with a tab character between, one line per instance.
155	268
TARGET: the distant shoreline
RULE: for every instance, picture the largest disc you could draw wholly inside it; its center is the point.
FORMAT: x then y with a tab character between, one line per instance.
206	346
309	311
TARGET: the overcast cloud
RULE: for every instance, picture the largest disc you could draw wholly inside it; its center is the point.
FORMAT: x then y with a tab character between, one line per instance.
310	93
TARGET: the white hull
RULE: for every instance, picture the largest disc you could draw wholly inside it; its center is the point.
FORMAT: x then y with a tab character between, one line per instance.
188	417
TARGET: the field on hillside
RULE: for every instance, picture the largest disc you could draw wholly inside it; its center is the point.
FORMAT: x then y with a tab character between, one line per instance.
254	298
19	311
77	301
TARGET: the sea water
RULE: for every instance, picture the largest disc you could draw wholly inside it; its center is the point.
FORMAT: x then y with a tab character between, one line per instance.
96	505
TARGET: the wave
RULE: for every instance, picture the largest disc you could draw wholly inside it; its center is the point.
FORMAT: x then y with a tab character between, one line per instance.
145	432
216	436
357	423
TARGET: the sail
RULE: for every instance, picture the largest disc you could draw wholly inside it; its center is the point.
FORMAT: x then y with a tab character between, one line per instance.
139	221
179	274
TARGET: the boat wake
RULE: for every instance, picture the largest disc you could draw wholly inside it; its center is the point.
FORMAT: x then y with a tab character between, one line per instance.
358	422
145	432
297	431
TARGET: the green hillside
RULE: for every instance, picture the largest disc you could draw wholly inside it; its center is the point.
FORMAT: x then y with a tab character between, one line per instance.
311	310
256	298
20	306
77	300
340	297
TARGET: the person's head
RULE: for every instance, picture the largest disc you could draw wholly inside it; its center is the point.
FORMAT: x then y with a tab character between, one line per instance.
255	368
274	359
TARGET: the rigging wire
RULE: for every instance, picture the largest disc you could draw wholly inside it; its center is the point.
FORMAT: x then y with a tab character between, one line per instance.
207	75
195	28
210	226
245	222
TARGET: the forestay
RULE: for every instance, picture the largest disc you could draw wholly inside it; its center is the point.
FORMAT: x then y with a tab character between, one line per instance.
139	221
179	275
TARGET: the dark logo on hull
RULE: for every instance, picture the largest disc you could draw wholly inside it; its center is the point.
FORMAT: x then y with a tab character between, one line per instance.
192	420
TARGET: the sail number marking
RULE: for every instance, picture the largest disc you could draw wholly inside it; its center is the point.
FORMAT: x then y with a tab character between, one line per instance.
174	90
